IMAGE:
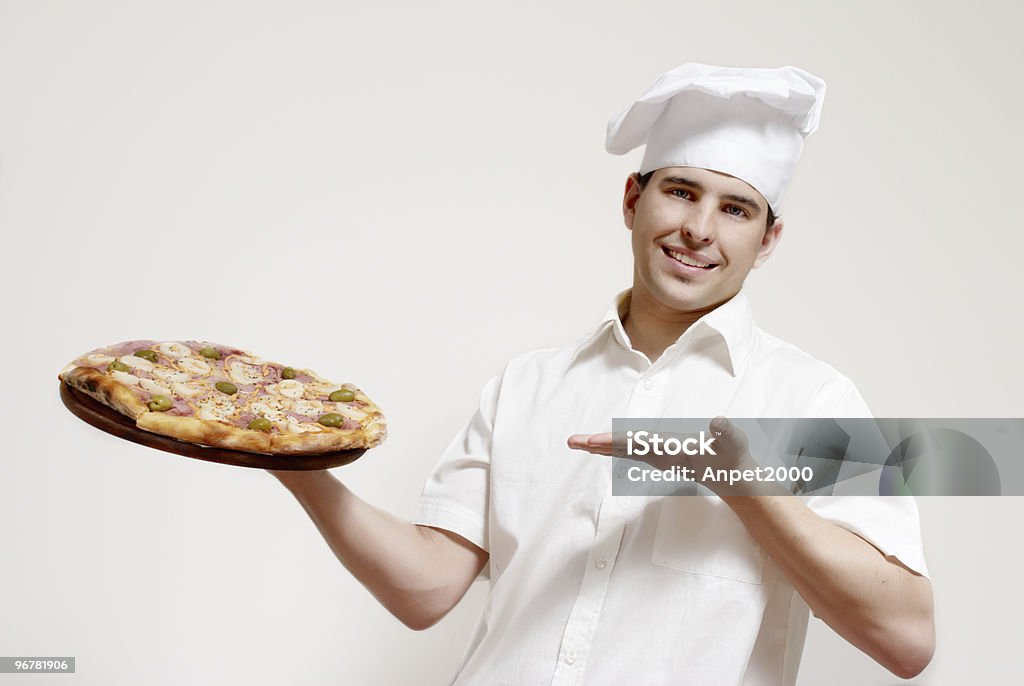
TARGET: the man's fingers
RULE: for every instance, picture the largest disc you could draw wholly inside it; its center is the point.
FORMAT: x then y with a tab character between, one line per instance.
599	444
591	439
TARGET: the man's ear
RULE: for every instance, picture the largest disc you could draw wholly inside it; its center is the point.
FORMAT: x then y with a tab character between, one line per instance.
771	238
629	199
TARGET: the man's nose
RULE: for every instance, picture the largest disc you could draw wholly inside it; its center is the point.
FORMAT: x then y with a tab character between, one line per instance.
697	228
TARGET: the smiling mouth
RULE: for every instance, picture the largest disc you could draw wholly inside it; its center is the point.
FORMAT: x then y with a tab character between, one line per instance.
687	260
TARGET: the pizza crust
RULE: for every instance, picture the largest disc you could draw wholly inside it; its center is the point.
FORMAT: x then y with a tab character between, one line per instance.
375	430
205	432
220	435
106	390
370	435
327	441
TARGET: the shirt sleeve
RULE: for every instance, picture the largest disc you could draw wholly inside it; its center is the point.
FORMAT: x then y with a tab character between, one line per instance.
890	523
455	496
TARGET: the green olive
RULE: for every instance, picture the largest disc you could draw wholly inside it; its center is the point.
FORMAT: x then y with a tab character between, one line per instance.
261	424
342	395
117	366
159	403
226	387
288	373
210	353
146	354
331	419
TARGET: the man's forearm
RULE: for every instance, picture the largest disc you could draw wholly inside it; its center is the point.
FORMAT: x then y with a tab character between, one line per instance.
875	603
416	572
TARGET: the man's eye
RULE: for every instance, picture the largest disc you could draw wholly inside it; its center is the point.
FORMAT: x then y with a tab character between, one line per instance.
685	193
740	212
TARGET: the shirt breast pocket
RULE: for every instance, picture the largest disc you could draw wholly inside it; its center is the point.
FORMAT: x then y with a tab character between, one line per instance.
701	535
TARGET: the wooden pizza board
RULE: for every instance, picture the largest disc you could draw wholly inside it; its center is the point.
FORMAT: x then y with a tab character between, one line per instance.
113	422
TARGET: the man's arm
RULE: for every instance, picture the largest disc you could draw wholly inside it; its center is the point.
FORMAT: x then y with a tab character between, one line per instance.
871	600
418	573
874	602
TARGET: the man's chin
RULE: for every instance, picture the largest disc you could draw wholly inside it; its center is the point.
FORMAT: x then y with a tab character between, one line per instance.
685	298
684	302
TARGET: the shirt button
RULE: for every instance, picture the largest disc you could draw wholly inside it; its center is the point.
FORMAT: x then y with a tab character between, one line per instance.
648	384
570	658
601	563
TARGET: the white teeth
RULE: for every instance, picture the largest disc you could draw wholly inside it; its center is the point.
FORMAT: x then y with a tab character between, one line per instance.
688	260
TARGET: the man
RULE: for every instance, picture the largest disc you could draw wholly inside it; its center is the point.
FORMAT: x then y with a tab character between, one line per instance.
589	588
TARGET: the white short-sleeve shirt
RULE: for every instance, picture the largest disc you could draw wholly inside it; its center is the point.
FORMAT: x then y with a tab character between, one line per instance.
593	589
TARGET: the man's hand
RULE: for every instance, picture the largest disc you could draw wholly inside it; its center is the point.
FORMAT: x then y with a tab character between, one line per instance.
731	449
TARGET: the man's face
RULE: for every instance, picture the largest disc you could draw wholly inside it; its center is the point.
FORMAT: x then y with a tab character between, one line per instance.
688	215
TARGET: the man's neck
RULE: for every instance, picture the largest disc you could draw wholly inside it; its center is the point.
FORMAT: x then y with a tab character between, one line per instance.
652	327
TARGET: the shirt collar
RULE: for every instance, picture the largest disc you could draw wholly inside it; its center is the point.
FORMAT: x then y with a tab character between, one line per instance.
732	323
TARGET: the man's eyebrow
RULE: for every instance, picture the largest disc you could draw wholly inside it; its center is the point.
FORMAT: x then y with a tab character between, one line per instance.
682	181
744	200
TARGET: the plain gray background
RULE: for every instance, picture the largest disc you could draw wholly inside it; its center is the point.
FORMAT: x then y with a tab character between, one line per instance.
405	195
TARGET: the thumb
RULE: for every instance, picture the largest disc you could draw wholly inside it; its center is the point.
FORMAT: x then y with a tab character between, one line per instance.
727	435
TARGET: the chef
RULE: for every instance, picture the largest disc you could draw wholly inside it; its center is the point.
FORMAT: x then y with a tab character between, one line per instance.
587	587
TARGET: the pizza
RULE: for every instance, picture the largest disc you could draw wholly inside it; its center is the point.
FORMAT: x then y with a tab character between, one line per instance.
218	395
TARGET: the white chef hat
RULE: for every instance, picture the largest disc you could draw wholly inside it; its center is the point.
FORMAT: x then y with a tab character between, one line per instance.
749	123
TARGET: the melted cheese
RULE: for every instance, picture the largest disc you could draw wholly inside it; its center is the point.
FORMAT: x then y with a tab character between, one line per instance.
290	388
137	363
217	407
185	390
154	387
125	378
310	408
244	373
350	412
174	350
193	366
297	427
271	407
171	375
321	388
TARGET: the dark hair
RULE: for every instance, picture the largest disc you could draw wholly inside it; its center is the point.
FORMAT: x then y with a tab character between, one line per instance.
644	178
